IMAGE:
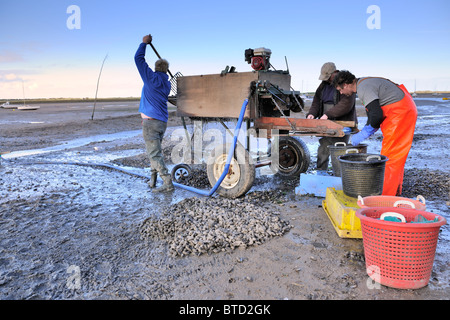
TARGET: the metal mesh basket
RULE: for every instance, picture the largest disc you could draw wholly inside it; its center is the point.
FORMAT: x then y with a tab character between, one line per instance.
174	83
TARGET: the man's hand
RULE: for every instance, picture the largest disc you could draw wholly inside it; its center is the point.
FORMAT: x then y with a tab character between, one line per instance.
324	117
310	116
147	39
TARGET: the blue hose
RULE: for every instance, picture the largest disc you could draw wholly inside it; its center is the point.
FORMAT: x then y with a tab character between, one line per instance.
227	165
199	191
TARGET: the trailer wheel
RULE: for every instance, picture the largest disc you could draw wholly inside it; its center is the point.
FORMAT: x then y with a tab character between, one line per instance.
294	157
180	172
241	173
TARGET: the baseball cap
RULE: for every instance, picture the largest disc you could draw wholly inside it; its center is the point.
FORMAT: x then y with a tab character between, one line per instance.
326	71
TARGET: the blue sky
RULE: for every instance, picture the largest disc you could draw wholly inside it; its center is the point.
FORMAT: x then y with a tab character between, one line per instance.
38	50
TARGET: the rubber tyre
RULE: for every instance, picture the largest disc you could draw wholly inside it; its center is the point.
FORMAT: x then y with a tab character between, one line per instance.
241	172
294	157
181	172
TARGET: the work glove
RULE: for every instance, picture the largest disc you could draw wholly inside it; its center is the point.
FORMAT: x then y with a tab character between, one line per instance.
366	132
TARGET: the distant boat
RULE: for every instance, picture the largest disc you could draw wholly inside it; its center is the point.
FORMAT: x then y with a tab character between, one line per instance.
6	105
28	107
305	98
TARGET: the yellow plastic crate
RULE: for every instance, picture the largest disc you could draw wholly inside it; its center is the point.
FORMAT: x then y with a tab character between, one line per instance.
341	210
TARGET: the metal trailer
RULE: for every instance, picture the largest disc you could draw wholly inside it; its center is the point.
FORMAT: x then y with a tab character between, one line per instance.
219	97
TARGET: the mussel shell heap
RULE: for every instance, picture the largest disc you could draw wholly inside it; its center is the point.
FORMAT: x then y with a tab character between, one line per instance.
195	226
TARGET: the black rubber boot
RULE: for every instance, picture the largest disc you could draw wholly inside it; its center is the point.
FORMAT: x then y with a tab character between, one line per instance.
152	182
167	185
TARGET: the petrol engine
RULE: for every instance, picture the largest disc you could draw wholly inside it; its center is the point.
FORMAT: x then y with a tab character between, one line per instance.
258	58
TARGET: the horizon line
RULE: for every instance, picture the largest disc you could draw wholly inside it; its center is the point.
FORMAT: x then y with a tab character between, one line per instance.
137	98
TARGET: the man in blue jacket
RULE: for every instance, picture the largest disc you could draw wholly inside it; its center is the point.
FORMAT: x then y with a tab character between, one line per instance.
154	113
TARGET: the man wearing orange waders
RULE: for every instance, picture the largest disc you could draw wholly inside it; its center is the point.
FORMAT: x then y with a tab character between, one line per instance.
390	107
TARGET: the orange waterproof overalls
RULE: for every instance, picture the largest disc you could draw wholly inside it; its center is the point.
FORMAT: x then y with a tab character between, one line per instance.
398	131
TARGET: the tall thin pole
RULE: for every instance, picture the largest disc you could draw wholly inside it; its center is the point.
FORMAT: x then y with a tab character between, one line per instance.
96	91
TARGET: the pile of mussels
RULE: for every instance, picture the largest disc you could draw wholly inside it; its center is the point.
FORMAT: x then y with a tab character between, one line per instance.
195	226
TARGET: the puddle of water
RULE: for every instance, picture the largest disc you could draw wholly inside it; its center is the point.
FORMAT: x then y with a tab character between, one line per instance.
20	121
73	144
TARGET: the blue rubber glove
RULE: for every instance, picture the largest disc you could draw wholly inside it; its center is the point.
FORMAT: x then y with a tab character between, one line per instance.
366	132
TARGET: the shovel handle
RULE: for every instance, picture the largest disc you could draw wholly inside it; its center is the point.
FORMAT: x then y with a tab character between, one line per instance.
157	54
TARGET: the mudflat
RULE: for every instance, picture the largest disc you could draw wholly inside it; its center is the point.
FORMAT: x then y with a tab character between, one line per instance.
85	232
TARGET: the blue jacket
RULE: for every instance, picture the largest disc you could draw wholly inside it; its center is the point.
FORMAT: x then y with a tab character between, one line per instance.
156	88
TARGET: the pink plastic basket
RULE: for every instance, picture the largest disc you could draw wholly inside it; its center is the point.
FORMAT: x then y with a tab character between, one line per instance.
391	201
398	254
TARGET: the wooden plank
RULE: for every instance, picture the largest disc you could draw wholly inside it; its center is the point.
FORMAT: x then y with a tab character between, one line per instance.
213	96
302	126
222	95
349	124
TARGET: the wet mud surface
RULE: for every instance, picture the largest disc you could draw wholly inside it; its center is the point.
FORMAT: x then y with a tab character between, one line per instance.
70	231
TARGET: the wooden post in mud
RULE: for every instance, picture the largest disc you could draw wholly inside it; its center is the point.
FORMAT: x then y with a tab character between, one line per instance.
98	82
